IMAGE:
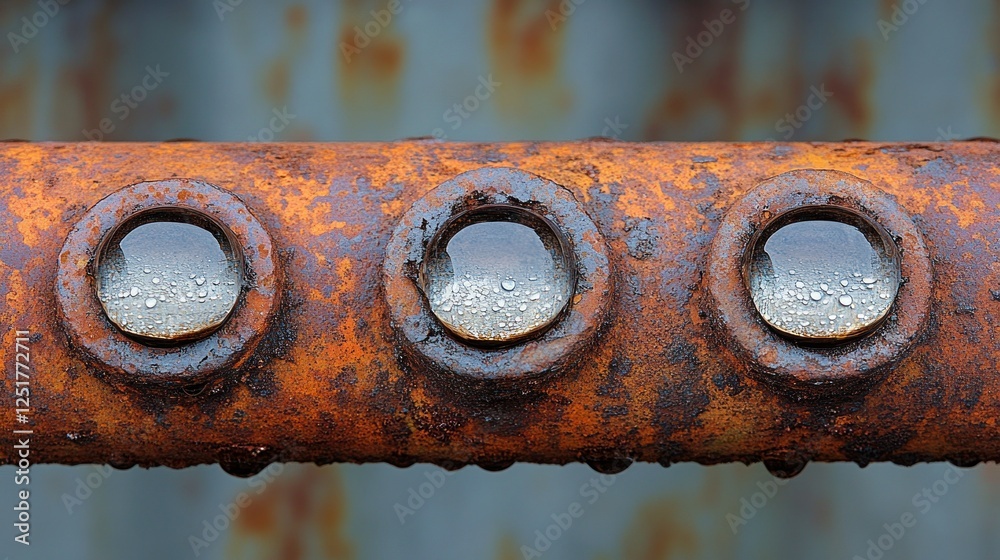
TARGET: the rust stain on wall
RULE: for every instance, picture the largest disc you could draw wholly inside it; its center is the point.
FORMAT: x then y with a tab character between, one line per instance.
508	548
661	530
296	513
850	81
369	65
17	97
277	77
708	89
296	17
886	7
88	85
525	42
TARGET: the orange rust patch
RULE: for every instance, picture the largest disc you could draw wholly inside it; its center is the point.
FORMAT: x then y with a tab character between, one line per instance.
286	511
525	46
296	17
662	529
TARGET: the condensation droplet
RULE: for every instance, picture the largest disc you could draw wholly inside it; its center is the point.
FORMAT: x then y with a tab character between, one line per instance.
139	258
473	250
822	247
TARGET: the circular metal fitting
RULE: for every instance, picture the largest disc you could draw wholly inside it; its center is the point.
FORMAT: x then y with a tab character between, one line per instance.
513	354
822	274
841	354
496	274
194	356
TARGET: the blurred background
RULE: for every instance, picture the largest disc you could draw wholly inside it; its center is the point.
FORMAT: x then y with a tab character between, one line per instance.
248	70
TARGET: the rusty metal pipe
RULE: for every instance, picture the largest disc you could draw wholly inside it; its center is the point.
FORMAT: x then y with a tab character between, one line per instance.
654	375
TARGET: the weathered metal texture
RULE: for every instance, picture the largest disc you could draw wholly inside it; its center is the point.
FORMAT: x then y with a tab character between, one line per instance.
659	384
800	369
110	351
421	335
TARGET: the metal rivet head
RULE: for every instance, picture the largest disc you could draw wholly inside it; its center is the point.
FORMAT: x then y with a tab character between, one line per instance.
823	274
168	276
497	274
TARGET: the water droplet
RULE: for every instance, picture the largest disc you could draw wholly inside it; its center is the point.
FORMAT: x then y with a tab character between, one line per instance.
473	249
137	255
821	247
200	280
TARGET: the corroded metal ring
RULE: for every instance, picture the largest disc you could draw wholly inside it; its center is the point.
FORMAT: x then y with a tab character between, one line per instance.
809	369
113	352
427	344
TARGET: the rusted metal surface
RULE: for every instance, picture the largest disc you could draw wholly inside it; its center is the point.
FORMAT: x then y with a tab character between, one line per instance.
803	369
108	350
422	337
658	384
